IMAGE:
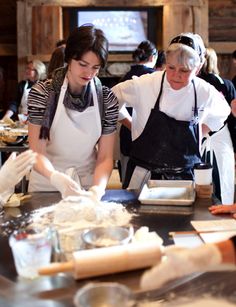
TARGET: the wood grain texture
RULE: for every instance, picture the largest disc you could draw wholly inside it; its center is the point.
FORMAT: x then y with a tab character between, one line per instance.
222	16
46	28
194	17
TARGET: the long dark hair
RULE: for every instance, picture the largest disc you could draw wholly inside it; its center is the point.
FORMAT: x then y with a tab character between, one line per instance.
144	50
57	60
86	38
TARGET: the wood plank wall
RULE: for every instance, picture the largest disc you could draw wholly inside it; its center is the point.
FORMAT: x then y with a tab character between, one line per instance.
46	28
8	59
222	27
222	33
178	16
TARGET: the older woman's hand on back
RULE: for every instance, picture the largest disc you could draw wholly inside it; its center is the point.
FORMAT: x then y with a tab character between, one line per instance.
233	107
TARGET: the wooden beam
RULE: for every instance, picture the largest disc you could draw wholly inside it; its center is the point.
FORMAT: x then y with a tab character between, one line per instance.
46	28
42	57
178	18
112	3
24	35
111	58
223	47
120	58
8	50
95	3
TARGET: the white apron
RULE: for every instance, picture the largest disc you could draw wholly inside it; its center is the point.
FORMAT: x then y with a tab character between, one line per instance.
73	137
221	144
23	109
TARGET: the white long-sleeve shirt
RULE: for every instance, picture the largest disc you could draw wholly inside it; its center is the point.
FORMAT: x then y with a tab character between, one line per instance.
141	94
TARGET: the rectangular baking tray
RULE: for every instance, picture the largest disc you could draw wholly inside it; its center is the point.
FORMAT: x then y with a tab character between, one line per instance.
168	192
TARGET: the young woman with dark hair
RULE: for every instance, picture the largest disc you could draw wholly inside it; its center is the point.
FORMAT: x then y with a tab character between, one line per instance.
72	121
57	60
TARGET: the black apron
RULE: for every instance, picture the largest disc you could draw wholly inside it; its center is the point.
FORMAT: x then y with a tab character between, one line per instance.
167	147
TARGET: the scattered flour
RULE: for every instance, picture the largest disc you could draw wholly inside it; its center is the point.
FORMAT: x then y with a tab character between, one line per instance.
74	214
82	212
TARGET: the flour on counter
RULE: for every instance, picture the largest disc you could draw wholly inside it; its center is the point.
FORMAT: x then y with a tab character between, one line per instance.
71	216
82	212
87	213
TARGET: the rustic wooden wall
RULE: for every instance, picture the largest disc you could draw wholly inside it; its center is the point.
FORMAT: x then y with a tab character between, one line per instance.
8	51
179	14
222	33
222	26
46	28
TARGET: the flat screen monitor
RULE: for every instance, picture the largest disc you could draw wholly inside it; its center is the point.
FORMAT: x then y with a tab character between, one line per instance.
124	29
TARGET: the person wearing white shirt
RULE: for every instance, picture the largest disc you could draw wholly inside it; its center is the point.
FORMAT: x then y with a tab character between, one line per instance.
171	112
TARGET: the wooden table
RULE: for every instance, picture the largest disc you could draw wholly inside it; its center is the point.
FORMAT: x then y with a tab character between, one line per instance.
59	290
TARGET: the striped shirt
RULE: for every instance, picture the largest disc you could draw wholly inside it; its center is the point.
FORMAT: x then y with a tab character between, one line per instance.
38	98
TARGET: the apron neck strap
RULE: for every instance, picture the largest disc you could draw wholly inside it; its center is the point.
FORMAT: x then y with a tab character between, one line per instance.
195	112
160	93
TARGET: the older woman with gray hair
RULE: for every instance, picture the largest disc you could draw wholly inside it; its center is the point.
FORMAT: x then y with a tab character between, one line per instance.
169	110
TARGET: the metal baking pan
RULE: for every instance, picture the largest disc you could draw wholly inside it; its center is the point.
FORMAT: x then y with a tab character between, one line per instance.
168	192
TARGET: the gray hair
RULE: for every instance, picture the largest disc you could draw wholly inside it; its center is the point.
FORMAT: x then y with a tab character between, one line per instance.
40	68
188	56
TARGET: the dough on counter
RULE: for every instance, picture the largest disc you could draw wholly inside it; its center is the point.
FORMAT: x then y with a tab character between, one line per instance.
87	212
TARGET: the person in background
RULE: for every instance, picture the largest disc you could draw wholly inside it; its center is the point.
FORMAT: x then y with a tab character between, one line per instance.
169	108
161	60
57	60
35	71
144	56
234	63
218	145
61	43
12	172
72	121
178	262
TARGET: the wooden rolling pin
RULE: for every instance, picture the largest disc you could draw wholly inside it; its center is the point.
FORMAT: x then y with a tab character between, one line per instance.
107	260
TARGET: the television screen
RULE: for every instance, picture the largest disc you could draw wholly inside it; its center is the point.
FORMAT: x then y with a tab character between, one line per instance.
124	29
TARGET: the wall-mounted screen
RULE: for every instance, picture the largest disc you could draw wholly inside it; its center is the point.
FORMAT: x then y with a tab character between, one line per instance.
123	29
